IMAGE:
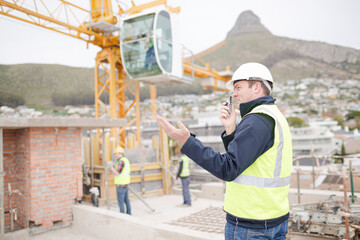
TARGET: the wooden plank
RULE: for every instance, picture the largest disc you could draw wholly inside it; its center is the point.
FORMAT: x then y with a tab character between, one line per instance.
135	167
135	179
148	177
150	166
153	177
100	169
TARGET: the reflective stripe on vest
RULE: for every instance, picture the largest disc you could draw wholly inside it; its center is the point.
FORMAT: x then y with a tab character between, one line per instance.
185	172
260	192
124	177
262	182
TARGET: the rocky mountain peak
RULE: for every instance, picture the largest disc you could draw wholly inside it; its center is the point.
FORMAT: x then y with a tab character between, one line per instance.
247	22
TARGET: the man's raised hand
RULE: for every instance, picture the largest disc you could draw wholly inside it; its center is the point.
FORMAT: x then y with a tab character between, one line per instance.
180	134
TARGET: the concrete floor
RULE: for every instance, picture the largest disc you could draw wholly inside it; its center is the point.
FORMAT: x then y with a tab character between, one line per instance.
167	213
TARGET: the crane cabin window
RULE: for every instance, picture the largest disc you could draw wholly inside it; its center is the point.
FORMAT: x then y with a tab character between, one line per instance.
164	40
146	45
138	53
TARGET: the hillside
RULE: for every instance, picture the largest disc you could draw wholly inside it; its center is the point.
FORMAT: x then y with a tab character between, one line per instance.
248	40
49	85
287	58
40	84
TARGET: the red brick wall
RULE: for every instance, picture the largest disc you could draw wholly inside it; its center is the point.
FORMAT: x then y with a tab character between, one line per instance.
11	167
45	165
22	161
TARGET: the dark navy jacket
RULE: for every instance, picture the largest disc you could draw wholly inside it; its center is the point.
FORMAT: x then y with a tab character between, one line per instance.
253	136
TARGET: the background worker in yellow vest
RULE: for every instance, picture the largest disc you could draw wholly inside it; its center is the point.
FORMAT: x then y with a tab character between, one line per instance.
258	160
184	174
122	179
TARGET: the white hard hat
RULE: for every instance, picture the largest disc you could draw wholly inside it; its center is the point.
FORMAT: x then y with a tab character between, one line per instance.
251	71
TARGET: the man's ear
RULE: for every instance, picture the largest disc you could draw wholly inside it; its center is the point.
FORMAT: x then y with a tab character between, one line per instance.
257	87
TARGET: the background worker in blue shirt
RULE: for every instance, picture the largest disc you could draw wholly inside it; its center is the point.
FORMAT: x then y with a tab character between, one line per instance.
258	160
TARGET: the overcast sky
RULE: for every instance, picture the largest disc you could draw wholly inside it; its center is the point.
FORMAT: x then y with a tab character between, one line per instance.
204	23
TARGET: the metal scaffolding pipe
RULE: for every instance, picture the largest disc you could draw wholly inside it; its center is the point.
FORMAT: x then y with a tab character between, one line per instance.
104	163
298	180
346	205
141	199
2	174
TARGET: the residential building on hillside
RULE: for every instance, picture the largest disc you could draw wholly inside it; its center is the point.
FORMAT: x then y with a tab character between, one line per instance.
329	124
350	139
316	140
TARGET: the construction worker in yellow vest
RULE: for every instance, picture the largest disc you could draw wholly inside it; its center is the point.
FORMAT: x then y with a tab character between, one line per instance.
122	179
184	174
257	163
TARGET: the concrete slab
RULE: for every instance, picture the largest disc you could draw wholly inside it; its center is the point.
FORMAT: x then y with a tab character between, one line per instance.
314	195
67	233
13	123
203	220
214	190
161	224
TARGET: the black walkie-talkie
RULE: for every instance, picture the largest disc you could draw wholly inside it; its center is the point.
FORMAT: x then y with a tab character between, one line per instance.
229	104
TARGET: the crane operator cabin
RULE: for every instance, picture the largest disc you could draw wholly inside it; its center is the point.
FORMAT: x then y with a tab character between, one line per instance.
150	48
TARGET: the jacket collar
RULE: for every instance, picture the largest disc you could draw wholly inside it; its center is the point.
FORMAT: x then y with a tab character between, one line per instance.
245	108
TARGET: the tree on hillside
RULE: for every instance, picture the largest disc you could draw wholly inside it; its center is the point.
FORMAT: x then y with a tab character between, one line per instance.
356	116
340	119
357	121
11	99
296	122
343	151
352	114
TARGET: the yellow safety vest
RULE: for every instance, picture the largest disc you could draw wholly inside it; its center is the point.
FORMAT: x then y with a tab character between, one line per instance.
261	191
124	177
185	172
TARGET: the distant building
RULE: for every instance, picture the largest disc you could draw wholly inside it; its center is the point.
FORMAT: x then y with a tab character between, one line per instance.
317	140
350	139
329	124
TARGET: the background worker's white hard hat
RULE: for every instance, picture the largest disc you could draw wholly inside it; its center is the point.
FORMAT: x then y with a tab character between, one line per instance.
251	71
119	150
